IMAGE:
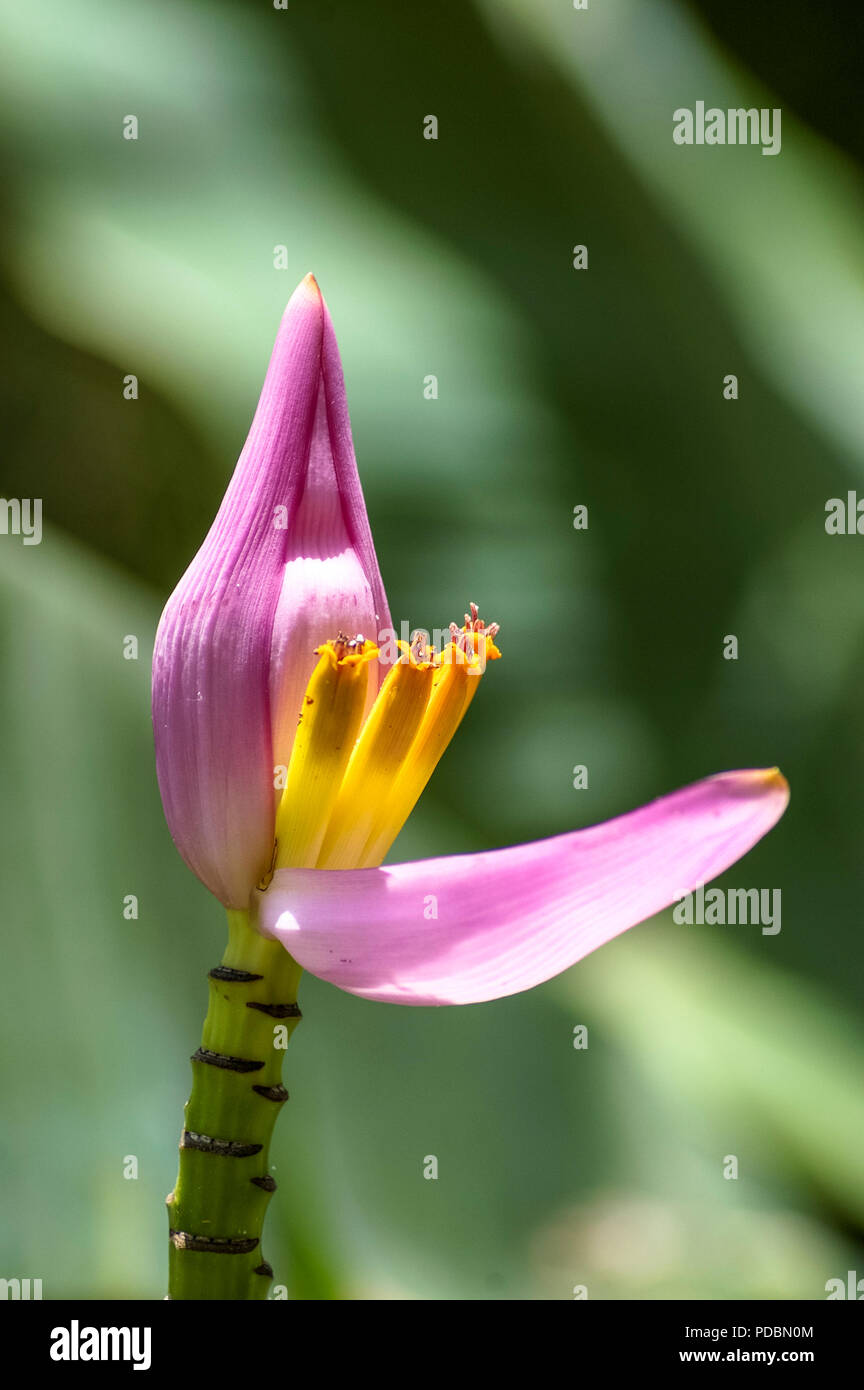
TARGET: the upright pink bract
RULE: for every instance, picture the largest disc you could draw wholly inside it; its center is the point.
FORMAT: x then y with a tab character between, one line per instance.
288	561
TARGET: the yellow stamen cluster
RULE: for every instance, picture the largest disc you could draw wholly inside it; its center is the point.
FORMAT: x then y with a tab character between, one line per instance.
351	785
330	720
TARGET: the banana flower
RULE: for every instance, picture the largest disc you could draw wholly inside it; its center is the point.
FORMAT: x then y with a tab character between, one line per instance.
294	733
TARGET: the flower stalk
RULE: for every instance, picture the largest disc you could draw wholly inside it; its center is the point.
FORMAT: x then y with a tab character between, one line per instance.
216	1211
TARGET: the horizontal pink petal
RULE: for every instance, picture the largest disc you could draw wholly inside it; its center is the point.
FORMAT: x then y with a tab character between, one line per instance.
509	919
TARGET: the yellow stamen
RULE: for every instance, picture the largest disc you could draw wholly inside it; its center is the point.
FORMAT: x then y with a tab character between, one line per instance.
455	684
387	737
350	786
330	720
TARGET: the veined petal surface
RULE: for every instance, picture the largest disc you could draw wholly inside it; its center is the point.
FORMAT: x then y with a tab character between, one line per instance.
473	927
290	539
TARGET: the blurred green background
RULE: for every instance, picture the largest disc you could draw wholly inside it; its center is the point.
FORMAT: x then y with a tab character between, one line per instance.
303	128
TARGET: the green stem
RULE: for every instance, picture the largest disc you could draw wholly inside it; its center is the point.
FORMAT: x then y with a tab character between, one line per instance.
216	1211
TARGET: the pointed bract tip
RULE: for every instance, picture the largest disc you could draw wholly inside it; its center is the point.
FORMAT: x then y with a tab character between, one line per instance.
774	778
771	777
761	780
307	302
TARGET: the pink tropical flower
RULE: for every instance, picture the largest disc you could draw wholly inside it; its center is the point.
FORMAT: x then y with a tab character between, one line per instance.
268	657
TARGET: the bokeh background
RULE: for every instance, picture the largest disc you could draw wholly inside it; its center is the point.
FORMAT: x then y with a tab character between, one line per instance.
303	128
